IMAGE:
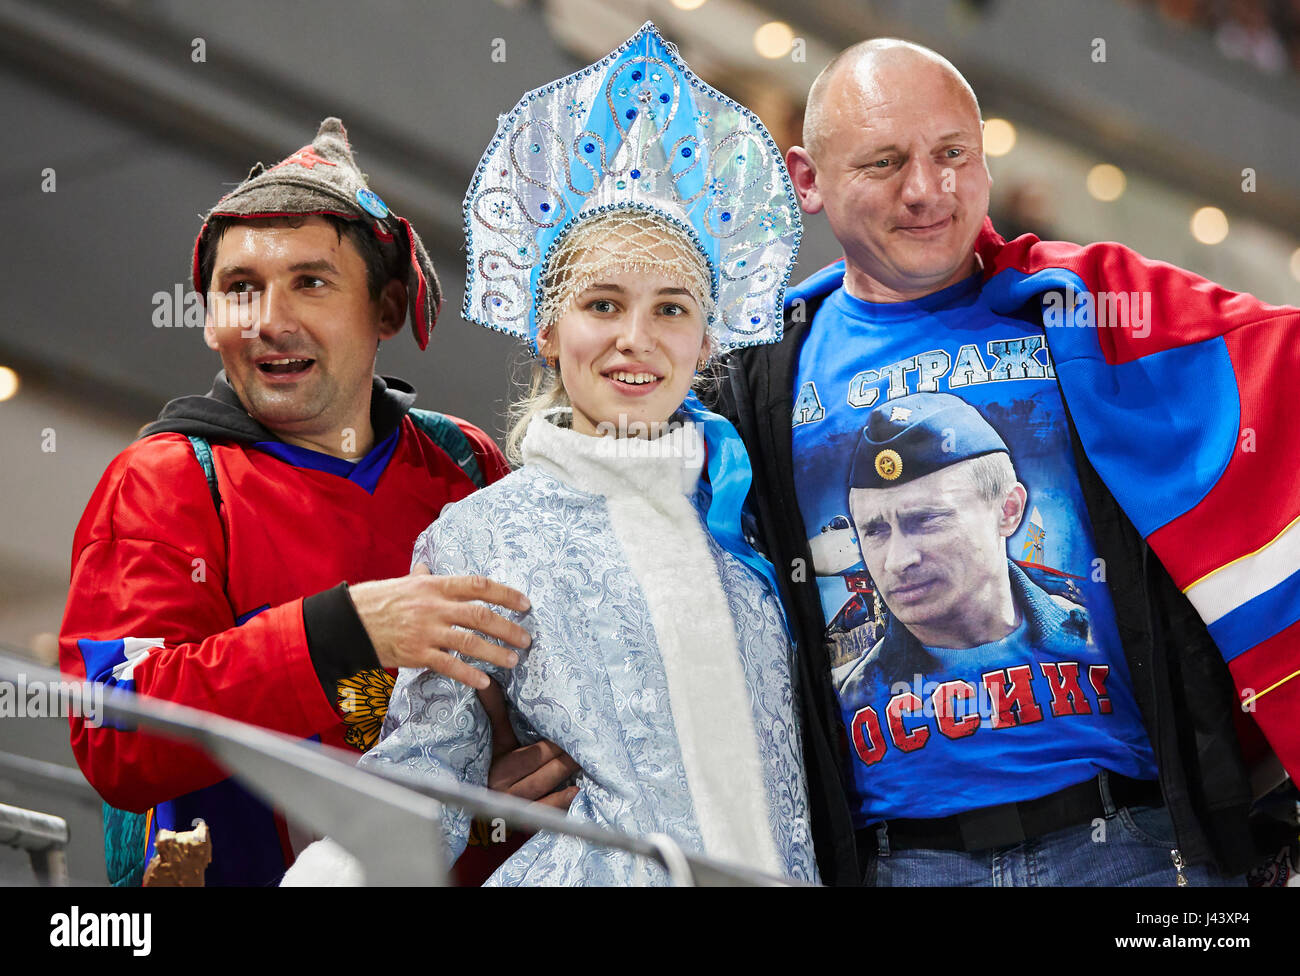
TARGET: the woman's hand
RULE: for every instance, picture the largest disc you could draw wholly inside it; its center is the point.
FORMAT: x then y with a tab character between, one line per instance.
533	772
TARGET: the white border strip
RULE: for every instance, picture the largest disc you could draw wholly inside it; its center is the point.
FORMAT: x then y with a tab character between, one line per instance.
1238	582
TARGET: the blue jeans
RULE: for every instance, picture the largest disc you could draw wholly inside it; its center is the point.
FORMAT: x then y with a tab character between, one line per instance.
1130	847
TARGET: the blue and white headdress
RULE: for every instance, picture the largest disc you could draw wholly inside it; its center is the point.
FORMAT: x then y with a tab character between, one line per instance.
636	134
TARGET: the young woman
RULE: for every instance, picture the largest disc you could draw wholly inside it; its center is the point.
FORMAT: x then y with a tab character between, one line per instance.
659	659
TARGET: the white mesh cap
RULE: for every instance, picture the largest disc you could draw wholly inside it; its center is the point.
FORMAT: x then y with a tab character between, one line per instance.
617	241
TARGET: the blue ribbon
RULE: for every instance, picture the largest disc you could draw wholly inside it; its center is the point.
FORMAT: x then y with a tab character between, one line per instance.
730	477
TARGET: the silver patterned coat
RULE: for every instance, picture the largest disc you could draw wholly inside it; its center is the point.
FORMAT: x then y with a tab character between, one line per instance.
659	662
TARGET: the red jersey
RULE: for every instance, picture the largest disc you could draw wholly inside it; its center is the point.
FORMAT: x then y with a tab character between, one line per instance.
207	602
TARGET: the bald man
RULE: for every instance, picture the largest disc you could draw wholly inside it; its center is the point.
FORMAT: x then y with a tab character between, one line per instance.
895	159
1113	758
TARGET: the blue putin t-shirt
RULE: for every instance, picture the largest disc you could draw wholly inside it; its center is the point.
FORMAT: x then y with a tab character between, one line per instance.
1040	703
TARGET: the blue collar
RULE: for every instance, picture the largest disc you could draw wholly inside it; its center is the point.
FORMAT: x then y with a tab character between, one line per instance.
890	313
730	475
364	472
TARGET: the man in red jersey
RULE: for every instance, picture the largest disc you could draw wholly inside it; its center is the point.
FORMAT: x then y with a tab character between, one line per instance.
249	555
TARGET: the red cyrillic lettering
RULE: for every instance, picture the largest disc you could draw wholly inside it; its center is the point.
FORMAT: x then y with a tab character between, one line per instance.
1011	691
1063	681
868	741
905	740
945	699
1097	674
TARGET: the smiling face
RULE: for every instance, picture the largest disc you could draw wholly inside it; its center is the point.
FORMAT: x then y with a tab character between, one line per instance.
936	551
899	169
628	348
291	315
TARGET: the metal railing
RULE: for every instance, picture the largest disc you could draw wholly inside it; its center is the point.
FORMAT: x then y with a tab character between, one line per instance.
42	836
389	820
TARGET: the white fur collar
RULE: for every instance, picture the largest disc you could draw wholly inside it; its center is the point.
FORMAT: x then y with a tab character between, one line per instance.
667	466
648	487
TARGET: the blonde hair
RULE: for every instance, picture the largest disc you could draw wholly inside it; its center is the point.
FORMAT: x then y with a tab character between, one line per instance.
620	240
545	392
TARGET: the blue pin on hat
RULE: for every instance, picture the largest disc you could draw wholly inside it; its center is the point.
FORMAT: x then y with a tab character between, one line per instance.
371	204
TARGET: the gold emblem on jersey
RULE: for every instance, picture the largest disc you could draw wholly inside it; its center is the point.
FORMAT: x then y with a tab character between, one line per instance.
363	700
889	465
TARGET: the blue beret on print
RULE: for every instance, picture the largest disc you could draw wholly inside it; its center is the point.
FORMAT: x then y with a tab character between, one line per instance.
916	435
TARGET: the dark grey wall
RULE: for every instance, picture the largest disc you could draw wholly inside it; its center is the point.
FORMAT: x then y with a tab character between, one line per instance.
143	140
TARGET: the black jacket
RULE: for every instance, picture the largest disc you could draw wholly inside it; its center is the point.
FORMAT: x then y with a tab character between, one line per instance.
1181	683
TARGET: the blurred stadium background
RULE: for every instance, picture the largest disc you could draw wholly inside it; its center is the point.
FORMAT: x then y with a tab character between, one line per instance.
1169	125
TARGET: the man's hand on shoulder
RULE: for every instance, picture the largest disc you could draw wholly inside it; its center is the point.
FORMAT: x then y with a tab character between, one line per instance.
415	621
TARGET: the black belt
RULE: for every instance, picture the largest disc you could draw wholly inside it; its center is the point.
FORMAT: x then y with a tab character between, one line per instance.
1008	824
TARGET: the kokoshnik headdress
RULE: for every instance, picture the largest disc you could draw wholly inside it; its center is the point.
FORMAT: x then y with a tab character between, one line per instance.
636	135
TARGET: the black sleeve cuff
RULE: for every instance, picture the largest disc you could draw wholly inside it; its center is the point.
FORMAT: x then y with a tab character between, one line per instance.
336	639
